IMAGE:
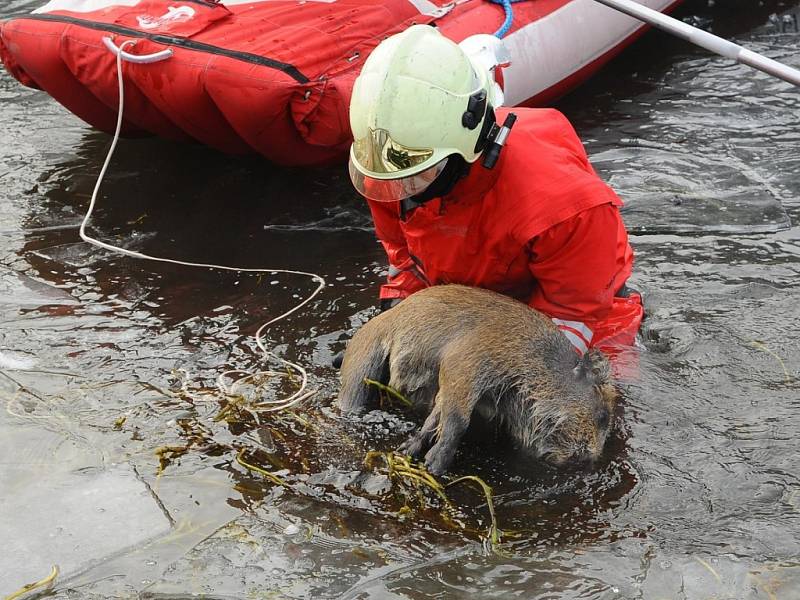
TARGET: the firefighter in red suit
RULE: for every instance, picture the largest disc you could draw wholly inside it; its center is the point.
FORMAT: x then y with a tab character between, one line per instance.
458	198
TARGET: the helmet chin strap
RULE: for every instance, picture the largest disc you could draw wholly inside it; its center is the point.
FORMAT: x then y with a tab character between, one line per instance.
455	169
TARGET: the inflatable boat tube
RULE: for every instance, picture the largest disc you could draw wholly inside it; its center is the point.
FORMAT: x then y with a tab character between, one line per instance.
275	76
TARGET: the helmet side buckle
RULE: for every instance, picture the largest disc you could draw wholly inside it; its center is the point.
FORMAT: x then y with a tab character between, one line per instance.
476	108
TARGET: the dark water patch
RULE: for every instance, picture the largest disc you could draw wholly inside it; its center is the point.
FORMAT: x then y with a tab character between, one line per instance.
666	193
675	138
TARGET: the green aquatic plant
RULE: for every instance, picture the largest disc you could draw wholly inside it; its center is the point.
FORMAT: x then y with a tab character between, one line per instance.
388	392
494	533
412	477
29	587
401	470
250	467
197	436
233	410
166	454
764	348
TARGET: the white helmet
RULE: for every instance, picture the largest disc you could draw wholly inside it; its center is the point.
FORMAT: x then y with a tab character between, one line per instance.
419	99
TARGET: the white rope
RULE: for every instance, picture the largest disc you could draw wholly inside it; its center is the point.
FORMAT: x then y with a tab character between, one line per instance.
228	390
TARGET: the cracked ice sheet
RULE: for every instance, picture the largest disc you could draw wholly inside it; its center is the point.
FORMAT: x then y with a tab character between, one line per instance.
60	506
107	526
298	548
197	501
18	290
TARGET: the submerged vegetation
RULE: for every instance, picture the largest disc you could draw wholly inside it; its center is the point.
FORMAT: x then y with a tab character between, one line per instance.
412	487
410	481
271	476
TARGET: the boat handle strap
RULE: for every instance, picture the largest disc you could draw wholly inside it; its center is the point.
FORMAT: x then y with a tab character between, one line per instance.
136	58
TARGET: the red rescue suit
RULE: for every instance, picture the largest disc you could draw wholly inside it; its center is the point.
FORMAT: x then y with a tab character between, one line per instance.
541	227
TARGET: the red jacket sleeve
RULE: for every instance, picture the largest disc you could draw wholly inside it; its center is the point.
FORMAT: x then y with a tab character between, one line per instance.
579	265
404	277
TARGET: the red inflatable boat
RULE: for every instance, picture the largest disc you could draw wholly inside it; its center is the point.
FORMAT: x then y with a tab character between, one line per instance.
275	76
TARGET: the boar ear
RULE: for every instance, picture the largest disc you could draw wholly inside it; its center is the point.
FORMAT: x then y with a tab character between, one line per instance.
601	367
594	367
583	370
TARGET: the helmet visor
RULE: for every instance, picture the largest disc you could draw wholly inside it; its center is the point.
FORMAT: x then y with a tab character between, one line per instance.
379	153
389	190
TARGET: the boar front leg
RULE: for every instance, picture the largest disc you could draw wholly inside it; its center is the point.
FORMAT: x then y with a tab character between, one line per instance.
455	403
418	444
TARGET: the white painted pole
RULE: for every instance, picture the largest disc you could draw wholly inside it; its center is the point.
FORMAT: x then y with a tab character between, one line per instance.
705	40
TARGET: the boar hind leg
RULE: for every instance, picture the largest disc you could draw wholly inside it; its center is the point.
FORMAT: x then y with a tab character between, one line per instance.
365	358
418	444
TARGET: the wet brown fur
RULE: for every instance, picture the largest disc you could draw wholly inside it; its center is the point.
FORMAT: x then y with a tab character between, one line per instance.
454	350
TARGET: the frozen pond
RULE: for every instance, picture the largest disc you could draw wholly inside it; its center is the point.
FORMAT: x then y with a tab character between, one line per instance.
118	466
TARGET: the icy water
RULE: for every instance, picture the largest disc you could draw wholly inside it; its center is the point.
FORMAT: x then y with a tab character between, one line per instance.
117	466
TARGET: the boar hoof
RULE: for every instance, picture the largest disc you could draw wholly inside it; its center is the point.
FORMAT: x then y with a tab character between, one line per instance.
438	460
415	446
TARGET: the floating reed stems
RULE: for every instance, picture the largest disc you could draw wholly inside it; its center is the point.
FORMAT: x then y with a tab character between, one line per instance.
29	587
400	469
271	476
389	391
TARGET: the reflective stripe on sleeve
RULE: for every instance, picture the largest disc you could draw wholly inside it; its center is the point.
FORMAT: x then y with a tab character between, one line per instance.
578	326
415	270
575	340
577	333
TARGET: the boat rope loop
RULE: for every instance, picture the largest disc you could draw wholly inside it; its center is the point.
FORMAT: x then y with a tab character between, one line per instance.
509	12
136	58
237	377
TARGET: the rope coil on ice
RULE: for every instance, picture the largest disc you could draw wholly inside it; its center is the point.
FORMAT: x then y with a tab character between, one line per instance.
224	387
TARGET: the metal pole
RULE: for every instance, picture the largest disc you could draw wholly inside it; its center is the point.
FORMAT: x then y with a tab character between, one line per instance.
705	40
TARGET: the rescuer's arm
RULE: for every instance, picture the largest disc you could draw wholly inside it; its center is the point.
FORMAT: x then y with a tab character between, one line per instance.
404	278
579	265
